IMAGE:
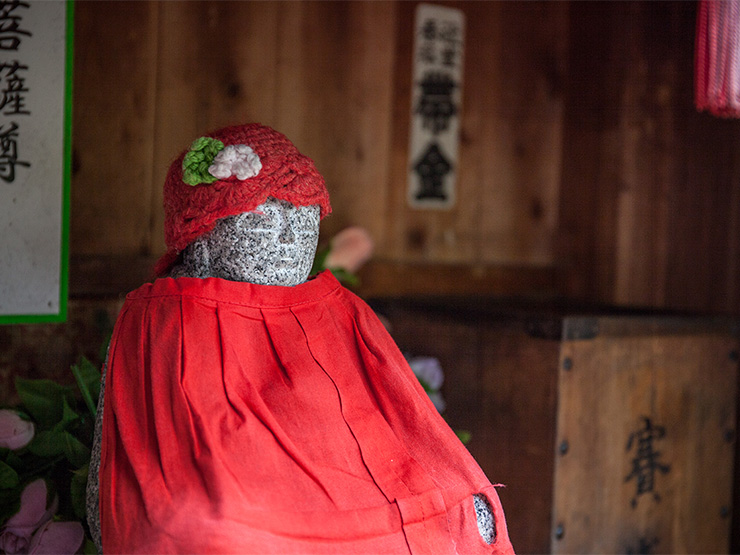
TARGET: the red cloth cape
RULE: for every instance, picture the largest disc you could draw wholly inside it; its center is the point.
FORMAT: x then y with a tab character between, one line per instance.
242	418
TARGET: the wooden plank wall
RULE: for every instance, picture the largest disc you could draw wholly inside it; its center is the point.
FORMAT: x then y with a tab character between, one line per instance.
510	149
335	77
151	76
585	169
649	192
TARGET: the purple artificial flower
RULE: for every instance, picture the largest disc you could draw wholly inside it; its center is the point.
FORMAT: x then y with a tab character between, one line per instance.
14	431
428	371
32	530
438	402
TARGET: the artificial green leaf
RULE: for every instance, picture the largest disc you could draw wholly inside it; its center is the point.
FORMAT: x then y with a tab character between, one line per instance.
89	548
344	276
319	261
76	452
8	477
91	375
88	380
427	388
14	460
103	351
69	417
43	399
464	436
198	159
57	442
10	502
77	491
49	443
23	414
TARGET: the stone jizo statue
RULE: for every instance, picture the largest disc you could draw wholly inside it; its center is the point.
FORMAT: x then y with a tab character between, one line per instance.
250	409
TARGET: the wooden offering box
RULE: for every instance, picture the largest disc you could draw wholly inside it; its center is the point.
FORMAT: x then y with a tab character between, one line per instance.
613	432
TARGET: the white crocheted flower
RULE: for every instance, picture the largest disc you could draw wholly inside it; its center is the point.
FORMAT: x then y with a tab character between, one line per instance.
238	160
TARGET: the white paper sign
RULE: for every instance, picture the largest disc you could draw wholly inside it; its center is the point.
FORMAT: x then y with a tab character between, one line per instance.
34	156
436	96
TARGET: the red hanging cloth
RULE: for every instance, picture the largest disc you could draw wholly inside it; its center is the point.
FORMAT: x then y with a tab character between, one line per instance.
717	54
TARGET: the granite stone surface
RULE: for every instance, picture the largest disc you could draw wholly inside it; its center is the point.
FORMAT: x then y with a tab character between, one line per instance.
484	516
273	245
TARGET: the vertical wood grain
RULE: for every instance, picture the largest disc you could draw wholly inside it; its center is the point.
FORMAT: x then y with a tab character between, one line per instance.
648	211
580	146
645	128
506	209
356	161
113	111
684	383
217	66
346	56
591	143
316	71
514	432
520	88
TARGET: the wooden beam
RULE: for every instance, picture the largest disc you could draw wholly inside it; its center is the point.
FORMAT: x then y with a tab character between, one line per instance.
108	275
388	278
114	276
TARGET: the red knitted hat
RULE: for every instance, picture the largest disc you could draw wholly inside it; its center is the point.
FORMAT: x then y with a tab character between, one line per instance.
200	188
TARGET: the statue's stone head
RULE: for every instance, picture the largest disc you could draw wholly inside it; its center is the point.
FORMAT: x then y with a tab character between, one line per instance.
273	245
243	204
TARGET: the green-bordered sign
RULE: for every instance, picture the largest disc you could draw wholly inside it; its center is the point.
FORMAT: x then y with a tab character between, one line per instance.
35	147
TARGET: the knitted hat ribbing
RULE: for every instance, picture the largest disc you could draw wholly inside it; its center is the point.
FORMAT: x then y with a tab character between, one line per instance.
286	174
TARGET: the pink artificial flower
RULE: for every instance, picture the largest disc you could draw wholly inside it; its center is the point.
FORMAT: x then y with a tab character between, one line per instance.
56	538
15	535
32	530
14	431
350	249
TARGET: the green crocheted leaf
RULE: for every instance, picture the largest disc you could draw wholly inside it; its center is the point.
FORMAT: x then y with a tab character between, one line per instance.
198	159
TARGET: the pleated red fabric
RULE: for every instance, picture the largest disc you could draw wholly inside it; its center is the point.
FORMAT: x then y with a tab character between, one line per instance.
245	418
717	57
